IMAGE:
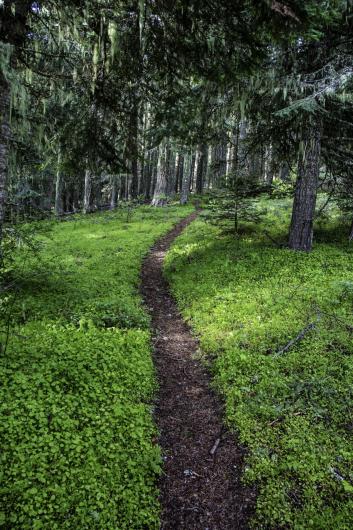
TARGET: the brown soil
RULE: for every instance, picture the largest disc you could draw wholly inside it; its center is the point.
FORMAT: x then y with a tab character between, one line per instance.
199	491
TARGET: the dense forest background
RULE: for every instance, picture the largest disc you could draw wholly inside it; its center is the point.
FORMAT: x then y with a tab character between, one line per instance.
104	102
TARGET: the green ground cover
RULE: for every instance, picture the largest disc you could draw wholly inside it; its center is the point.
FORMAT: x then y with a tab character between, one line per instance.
77	379
246	299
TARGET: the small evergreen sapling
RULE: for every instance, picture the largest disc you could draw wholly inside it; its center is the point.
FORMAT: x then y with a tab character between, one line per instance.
234	202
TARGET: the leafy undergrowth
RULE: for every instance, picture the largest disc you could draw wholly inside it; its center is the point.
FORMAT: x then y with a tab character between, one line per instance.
77	378
293	409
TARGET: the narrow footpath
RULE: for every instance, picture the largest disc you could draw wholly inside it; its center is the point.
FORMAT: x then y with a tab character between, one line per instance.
200	486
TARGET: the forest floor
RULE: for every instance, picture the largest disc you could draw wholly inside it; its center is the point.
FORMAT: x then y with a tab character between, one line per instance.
77	378
79	386
200	486
246	298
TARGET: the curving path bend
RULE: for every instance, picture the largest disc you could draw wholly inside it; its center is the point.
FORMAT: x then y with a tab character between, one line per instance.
200	487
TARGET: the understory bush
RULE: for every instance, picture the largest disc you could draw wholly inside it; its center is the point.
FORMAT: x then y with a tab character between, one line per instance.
77	381
290	403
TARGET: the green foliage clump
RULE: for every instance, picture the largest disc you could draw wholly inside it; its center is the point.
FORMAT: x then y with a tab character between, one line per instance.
77	437
281	189
247	299
76	429
233	203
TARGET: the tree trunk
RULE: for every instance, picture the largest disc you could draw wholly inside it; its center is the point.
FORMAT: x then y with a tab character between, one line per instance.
241	150
188	175
134	72
208	175
235	148
229	158
351	233
114	192
13	31
255	166
149	175
201	168
97	196
160	195
66	200
172	175
223	159
87	192
122	178
154	168
145	163
269	166
284	172
133	152
301	229
219	162
58	208
179	173
127	187
4	145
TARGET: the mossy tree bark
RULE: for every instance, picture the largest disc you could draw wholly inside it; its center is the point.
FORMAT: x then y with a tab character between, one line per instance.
201	167
172	175
13	18
179	172
152	172
87	192
301	228
58	208
114	191
284	172
4	144
160	195
187	179
133	149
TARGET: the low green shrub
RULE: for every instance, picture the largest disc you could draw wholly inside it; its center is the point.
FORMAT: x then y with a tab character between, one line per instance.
281	189
77	434
77	380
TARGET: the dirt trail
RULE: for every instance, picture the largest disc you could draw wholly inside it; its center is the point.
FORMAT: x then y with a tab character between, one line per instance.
199	491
